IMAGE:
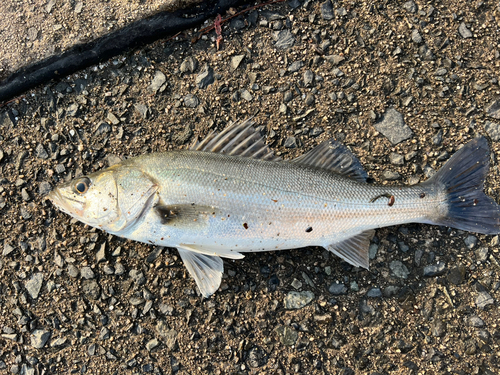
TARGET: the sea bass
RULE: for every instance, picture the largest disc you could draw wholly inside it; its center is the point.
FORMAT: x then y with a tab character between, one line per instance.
229	195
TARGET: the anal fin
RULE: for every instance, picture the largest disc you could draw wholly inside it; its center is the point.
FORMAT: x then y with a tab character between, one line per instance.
205	269
354	250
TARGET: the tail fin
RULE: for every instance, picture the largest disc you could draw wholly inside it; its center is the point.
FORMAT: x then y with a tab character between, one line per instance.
466	207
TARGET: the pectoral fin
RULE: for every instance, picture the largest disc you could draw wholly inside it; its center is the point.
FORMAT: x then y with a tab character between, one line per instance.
355	249
206	270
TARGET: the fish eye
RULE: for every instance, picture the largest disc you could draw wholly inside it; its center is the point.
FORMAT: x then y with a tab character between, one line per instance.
82	185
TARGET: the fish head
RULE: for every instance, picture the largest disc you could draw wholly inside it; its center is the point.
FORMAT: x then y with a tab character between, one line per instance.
92	199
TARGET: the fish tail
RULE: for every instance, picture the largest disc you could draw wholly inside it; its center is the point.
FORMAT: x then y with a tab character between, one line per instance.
460	182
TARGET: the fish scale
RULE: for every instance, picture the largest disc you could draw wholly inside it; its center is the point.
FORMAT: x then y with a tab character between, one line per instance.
229	195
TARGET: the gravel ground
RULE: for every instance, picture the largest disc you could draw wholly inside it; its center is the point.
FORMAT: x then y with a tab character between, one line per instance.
403	84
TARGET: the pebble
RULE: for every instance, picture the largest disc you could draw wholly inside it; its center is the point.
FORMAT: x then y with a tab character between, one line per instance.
7	248
317	130
484	299
102	128
101	254
337	289
399	269
44	188
416	37
245	94
205	78
142	109
295	66
151	344
39	338
475	321
493	109
119	269
393	127
482	254
457	275
308	78
470	241
189	65
283	108
464	31
297	300
287	96
391	290
310	99
290	142
493	130
41	152
396	159
327	10
73	271
287	335
191	101
34	285
438	328
91	289
390	175
334	59
435	269
87	273
374	293
236	61
372	250
410	6
158	82
284	39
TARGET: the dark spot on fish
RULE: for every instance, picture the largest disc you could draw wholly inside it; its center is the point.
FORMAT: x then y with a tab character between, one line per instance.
422	195
475	202
245	225
274	200
309	229
391	201
228	215
385	195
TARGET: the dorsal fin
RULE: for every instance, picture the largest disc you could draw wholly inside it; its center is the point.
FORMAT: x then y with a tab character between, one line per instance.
238	139
335	157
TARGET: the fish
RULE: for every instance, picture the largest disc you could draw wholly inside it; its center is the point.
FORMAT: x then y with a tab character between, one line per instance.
229	194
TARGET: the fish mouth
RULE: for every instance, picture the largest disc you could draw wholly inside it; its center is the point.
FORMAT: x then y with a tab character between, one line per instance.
66	204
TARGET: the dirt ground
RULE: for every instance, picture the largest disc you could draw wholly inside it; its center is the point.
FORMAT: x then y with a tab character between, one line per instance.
77	300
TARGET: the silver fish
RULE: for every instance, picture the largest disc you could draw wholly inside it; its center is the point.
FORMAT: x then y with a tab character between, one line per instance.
229	195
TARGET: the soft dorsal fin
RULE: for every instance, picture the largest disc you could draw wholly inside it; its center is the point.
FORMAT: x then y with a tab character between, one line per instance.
238	139
354	250
335	157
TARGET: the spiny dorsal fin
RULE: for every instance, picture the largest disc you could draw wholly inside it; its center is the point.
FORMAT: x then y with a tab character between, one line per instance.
335	157
238	139
354	250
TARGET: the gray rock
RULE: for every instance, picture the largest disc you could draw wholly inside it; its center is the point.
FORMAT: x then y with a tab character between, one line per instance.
102	128
284	39
342	11
310	99
142	109
191	101
44	188
104	334
40	152
390	175
34	285
372	250
245	94
60	168
410	6
7	120
482	254
283	108
457	275
205	78
308	77
441	72
327	10
171	339
73	271
470	241
101	254
484	299
337	289
7	248
59	342
287	335
396	159
72	110
151	344
493	130
334	59
236	61
189	65
87	273
91	289
475	321
392	126
39	338
399	269
287	96
119	269
295	66
158	82
297	300
374	293
493	109
435	269
137	277
416	37
317	130
464	31
291	142
438	328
